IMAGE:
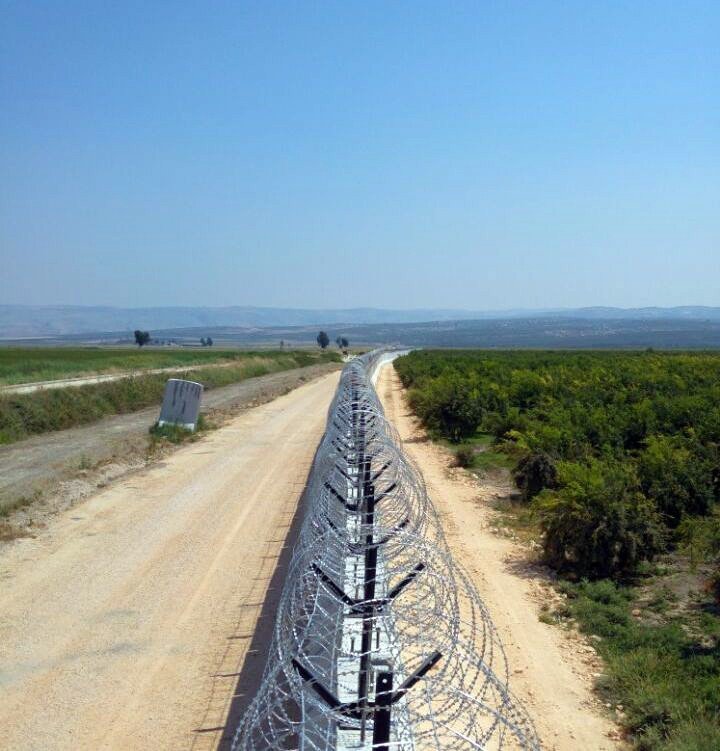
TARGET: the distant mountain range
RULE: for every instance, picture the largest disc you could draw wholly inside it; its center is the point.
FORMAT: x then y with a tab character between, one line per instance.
47	321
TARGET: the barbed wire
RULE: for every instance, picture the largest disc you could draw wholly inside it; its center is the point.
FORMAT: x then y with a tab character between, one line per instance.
381	640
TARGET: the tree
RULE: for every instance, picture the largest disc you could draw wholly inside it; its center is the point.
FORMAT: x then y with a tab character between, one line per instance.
677	478
141	337
203	343
449	405
344	342
323	339
209	341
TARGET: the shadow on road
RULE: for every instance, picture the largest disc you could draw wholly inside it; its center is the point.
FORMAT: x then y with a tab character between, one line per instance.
256	657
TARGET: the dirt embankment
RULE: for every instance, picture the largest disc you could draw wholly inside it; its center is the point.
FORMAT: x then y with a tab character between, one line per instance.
66	466
551	671
140	619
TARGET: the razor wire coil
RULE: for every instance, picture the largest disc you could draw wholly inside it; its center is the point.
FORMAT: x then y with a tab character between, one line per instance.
381	640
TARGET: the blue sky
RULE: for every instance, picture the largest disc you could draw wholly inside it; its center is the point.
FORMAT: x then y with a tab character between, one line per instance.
399	154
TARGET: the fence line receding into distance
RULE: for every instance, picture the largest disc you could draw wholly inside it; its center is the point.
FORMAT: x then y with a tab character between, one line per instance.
381	640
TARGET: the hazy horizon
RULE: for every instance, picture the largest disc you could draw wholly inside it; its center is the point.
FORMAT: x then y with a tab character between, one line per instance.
399	156
397	309
23	321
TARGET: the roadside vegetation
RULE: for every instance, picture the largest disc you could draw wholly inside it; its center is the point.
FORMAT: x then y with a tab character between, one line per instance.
24	415
177	434
616	456
32	364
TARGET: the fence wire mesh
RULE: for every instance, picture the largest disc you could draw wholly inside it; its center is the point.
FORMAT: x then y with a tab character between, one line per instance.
381	640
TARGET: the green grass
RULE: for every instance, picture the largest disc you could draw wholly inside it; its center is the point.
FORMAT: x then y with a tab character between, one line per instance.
489	460
485	456
32	364
24	415
7	508
177	433
663	668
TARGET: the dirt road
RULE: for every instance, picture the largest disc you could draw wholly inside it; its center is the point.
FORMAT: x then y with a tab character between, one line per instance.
550	672
86	380
132	621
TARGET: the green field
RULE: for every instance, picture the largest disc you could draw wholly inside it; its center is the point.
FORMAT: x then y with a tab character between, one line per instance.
617	457
32	364
24	415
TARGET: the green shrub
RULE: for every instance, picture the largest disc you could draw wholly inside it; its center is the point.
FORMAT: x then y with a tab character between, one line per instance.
655	414
678	479
535	472
526	388
465	456
692	734
635	437
597	524
668	684
701	539
501	424
449	406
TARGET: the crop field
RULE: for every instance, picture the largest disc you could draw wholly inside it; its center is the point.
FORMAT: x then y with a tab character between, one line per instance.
32	364
617	459
23	415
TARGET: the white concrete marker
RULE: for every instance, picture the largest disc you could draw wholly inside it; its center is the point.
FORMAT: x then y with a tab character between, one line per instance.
181	403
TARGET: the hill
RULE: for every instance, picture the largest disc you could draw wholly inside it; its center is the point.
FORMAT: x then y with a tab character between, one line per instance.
45	321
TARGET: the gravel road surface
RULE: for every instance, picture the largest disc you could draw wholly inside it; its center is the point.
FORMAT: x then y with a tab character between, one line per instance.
140	618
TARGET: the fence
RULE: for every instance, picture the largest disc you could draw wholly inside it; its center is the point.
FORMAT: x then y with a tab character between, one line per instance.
381	640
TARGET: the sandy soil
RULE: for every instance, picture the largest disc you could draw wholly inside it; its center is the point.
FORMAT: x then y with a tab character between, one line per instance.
139	619
36	465
551	670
